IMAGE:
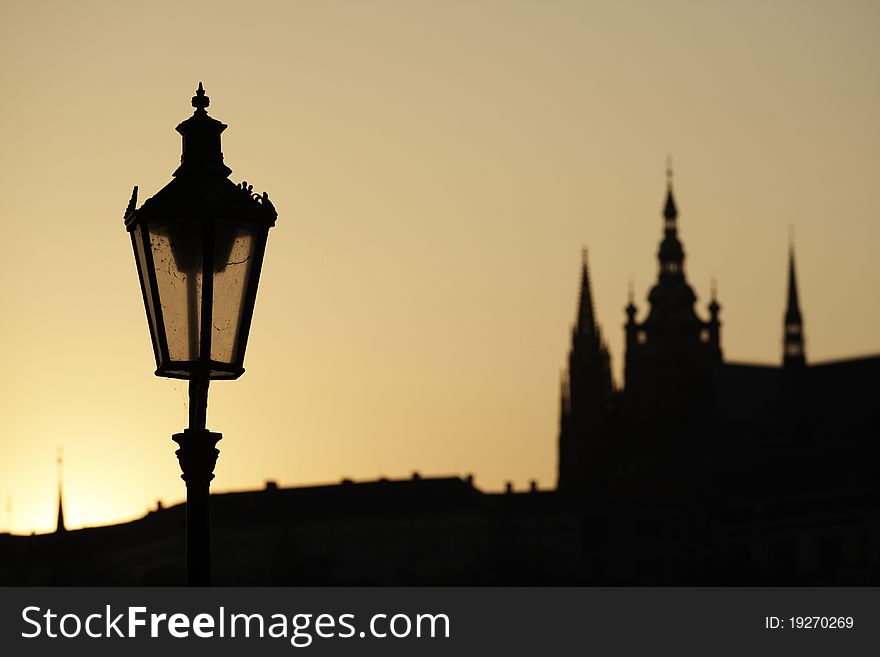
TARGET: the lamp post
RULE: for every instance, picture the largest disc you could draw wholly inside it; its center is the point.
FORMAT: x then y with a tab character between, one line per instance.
198	246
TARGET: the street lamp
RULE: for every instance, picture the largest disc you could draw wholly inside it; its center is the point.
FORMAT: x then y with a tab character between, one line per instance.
198	245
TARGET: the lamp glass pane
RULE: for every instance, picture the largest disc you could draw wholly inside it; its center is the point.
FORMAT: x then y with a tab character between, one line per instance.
233	268
177	257
143	272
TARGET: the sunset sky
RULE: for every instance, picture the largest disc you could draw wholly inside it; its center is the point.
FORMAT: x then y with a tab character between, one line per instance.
437	168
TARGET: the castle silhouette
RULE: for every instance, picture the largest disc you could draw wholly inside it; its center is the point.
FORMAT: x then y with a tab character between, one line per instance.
702	470
696	471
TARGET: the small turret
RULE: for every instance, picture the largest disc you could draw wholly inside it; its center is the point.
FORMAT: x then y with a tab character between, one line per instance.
630	308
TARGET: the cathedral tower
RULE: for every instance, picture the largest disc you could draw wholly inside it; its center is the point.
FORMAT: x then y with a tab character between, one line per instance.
671	354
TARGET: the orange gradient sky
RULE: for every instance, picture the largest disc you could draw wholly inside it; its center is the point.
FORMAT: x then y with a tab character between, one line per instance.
437	167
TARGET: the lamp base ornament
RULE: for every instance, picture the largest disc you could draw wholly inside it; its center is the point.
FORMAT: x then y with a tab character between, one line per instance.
197	457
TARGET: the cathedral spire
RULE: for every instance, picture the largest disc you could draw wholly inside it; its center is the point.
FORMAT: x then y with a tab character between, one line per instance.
793	310
671	253
672	326
59	527
587	390
793	341
670	211
586	323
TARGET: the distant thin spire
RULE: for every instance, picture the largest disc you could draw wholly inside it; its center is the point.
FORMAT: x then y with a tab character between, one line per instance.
59	527
793	309
793	325
586	323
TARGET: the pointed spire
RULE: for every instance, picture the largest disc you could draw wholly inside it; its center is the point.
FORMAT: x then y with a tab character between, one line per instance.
59	527
671	253
670	211
586	324
793	310
793	325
